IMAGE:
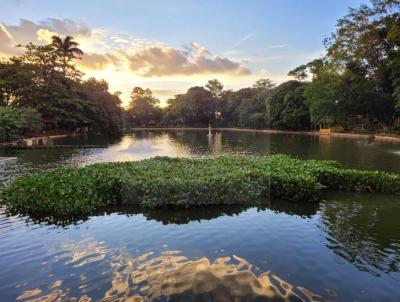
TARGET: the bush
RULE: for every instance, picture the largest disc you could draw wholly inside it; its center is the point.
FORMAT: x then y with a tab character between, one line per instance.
164	181
17	121
2	135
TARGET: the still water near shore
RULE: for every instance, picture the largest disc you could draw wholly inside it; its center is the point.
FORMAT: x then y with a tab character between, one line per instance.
344	248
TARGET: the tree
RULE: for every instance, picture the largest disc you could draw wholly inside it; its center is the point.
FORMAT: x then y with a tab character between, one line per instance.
16	82
55	95
367	35
143	107
174	112
45	78
249	112
286	108
264	84
16	122
102	108
230	101
215	87
67	49
200	106
299	73
302	72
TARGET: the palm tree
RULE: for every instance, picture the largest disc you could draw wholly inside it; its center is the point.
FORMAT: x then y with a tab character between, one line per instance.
67	48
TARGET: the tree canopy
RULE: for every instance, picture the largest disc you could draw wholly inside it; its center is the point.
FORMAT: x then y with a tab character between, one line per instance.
356	83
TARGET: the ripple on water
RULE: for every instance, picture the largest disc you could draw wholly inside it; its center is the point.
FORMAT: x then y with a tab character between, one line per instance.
335	249
171	275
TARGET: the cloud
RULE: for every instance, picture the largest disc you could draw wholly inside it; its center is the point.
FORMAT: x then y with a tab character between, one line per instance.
94	61
27	31
121	52
244	39
278	46
165	61
6	41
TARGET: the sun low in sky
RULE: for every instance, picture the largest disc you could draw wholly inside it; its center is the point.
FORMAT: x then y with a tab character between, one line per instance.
169	46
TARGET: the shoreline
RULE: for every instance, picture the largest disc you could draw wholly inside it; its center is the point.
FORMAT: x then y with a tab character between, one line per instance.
375	136
28	140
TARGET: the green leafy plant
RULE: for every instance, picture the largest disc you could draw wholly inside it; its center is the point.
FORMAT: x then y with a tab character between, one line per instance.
164	181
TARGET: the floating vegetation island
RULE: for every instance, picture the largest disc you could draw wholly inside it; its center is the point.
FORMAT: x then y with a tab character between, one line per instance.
182	182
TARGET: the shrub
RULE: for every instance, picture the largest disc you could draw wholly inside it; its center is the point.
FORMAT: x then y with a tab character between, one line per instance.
164	181
16	121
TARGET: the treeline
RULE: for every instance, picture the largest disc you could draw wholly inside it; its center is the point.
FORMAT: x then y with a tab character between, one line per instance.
356	85
42	90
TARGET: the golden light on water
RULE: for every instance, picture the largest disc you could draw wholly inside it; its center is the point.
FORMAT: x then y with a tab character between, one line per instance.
151	277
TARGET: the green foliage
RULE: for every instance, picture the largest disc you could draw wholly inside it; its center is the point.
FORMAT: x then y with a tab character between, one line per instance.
143	107
359	76
102	109
200	106
215	87
286	108
249	112
17	121
264	84
164	181
358	80
3	135
45	78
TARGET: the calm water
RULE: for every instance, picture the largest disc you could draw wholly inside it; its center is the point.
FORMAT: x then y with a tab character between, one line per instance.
346	248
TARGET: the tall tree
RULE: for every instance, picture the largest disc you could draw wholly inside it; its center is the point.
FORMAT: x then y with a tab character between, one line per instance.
286	108
143	107
264	84
67	49
102	108
215	87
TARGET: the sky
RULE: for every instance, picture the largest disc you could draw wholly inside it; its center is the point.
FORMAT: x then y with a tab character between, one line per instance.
171	45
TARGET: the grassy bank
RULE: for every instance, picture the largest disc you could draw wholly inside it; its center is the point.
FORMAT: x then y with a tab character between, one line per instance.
182	182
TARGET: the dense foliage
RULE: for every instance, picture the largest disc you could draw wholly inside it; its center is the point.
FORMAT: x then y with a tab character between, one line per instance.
355	85
359	77
44	78
183	182
143	108
15	122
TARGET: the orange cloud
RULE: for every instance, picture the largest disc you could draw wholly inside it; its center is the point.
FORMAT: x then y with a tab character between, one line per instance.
165	61
103	50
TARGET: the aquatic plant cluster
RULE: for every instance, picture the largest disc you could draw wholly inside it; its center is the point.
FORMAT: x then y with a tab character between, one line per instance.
183	182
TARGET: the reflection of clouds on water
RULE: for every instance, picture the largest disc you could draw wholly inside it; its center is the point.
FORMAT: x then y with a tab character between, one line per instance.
150	278
141	147
135	148
164	276
85	253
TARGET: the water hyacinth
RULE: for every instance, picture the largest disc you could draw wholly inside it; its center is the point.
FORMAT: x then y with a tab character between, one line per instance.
164	181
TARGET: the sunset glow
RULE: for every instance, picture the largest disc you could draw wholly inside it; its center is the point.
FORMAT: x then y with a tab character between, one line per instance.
138	52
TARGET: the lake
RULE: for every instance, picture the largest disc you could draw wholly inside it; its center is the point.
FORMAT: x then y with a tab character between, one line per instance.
345	248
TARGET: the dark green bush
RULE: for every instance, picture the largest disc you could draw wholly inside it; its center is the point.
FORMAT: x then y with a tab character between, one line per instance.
183	182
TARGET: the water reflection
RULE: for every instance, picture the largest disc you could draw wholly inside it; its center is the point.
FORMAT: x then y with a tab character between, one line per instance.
167	276
172	275
172	215
341	244
184	216
364	230
144	144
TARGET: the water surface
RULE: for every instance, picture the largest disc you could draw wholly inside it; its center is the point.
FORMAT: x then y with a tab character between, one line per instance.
346	248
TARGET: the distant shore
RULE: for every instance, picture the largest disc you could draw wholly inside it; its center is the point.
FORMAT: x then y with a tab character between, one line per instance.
368	136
